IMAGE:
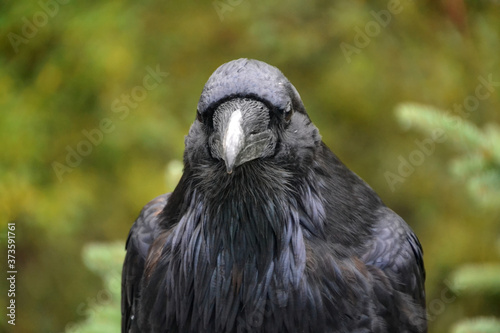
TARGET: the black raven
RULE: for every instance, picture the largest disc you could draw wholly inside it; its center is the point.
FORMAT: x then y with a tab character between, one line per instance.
267	230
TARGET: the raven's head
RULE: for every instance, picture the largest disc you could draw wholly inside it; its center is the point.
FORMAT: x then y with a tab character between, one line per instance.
249	110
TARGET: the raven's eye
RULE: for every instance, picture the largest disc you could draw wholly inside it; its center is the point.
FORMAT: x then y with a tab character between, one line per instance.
288	113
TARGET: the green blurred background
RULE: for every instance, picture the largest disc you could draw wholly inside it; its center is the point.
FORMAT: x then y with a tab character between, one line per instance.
67	67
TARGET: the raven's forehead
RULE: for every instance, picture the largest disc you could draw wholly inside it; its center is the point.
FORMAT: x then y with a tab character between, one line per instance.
246	78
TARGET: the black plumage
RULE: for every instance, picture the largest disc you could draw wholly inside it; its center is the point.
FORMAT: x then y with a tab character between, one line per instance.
267	230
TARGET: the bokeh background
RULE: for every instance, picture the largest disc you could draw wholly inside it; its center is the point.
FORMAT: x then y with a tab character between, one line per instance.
88	135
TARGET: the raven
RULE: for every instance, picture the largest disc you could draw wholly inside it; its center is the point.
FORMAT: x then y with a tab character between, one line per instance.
267	230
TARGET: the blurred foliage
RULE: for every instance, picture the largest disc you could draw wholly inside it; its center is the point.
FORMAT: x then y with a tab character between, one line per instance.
481	278
88	133
479	167
103	312
479	164
478	325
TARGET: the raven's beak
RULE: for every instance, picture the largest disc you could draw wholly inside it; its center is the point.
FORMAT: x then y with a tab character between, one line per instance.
244	134
234	140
